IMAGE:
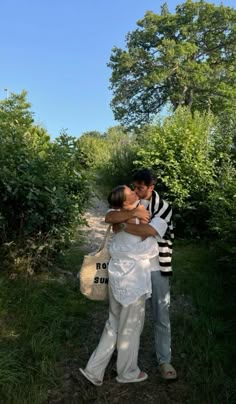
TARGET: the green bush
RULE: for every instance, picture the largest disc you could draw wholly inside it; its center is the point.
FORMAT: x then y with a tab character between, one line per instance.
179	152
122	151
222	202
93	149
43	188
222	196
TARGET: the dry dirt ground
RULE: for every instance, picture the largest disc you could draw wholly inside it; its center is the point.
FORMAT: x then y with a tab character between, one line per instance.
76	389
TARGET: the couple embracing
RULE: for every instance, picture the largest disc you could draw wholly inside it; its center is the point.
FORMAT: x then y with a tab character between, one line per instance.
140	265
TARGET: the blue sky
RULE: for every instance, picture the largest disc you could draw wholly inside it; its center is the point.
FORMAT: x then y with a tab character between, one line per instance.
58	51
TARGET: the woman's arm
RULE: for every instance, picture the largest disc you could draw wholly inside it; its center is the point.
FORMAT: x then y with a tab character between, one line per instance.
115	216
143	230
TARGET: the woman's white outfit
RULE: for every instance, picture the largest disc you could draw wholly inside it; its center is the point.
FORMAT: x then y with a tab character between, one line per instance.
129	285
130	266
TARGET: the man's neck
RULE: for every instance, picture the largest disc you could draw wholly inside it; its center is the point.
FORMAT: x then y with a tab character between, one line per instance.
149	196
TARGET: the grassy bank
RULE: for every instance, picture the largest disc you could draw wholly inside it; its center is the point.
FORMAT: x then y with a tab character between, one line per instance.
39	317
204	330
44	318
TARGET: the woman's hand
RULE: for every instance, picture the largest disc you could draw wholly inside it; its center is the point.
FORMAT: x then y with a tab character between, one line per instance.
142	213
116	227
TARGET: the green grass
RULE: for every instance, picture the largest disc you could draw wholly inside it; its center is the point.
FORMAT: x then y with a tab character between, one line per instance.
44	318
203	331
39	317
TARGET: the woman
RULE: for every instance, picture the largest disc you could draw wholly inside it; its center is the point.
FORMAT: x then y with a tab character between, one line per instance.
129	286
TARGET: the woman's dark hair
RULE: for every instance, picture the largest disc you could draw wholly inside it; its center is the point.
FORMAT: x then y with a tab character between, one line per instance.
116	197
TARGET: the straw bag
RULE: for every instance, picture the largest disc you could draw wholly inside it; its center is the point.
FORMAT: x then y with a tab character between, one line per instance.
93	274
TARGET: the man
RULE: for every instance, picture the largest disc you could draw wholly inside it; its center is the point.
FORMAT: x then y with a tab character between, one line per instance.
159	213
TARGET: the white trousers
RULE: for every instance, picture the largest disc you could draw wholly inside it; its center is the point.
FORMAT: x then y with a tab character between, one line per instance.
122	330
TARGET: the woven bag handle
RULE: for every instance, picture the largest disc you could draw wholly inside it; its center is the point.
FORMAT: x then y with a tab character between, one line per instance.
105	240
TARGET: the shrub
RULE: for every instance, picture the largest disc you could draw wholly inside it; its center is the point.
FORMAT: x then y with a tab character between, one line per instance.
44	189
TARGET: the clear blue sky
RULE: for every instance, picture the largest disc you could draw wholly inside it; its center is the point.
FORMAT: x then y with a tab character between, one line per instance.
57	50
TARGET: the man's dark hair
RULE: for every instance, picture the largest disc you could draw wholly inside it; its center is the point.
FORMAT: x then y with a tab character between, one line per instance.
145	175
116	197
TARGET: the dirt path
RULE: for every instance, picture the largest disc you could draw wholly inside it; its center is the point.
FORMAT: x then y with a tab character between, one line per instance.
75	389
93	233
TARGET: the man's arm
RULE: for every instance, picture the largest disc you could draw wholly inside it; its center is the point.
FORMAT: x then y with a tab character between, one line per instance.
120	216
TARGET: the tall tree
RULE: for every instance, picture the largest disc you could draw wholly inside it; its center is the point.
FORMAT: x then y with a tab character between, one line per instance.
186	58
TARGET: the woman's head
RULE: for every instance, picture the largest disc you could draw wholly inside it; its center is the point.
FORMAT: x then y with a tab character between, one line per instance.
121	197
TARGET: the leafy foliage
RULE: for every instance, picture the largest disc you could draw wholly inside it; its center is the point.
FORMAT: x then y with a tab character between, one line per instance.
43	187
186	58
108	158
223	196
93	149
122	149
179	152
193	158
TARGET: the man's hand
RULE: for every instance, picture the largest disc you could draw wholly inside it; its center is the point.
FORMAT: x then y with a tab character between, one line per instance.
142	213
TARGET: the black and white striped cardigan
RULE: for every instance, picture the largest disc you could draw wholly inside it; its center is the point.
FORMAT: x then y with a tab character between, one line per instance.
160	208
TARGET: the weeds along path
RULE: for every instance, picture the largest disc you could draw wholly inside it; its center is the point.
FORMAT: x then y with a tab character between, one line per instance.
74	387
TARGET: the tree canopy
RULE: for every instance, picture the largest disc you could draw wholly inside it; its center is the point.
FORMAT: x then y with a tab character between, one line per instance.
186	58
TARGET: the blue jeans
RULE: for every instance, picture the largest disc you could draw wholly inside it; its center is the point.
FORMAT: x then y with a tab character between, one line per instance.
160	303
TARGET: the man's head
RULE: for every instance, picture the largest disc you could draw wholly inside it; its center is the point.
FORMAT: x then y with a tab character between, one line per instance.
144	181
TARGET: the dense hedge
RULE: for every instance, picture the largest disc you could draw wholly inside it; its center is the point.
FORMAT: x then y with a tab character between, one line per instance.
43	188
